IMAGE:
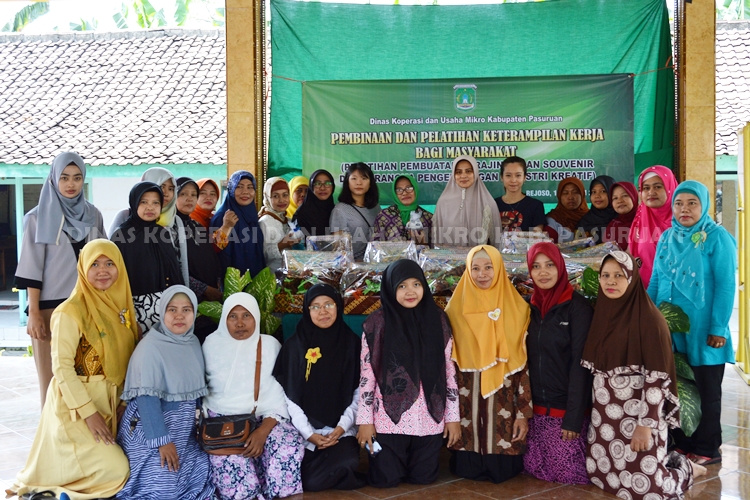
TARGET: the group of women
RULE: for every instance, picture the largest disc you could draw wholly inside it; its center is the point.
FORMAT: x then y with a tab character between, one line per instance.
548	385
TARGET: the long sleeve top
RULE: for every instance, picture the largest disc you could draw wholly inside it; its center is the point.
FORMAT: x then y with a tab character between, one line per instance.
65	351
50	268
273	232
416	421
555	345
719	265
346	422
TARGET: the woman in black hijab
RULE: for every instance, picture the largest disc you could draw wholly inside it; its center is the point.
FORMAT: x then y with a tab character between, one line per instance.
318	367
148	253
314	215
408	393
601	213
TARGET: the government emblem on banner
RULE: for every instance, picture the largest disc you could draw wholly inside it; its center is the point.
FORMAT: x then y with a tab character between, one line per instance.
465	97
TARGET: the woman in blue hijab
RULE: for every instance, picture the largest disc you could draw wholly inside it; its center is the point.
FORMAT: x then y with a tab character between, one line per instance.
239	238
694	269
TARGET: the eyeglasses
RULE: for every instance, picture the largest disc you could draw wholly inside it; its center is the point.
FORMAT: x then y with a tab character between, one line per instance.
409	189
322	184
327	307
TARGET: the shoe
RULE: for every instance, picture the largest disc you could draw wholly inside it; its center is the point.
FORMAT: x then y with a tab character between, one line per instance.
701	460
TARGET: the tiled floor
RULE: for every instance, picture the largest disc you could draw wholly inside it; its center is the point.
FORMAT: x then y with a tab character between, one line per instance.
19	416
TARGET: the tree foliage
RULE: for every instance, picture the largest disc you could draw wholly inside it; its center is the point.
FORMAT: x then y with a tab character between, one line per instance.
26	15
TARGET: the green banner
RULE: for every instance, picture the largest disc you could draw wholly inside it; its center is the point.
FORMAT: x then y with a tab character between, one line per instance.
562	126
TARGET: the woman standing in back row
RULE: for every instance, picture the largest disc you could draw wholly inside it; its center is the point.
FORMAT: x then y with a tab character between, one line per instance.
694	269
54	232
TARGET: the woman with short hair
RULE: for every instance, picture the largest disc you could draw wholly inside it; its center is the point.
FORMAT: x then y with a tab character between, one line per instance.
357	208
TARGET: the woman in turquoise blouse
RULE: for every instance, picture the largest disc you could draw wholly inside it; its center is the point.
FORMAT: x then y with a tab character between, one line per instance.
694	268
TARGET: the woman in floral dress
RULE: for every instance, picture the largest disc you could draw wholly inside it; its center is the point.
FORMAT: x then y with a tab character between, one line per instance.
270	466
629	351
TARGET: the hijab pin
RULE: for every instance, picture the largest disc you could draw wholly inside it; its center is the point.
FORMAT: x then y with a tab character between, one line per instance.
494	315
125	318
698	238
312	356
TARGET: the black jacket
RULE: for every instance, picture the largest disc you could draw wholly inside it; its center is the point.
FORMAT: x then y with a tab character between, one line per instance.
555	345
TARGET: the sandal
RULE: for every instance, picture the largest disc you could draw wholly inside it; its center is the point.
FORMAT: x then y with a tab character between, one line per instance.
701	460
39	495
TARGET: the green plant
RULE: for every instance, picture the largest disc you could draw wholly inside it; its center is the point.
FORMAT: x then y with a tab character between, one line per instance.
84	25
687	391
677	320
590	284
26	15
262	287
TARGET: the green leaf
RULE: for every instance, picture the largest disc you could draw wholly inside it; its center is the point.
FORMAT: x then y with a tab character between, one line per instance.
121	18
182	9
146	13
234	281
682	367
211	310
218	17
371	287
677	320
269	324
26	16
590	283
263	288
84	25
161	19
690	405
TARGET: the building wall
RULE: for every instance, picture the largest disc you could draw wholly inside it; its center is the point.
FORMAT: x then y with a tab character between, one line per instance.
110	195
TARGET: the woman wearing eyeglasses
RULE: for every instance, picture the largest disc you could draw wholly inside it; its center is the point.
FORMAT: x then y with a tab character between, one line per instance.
314	213
392	223
318	367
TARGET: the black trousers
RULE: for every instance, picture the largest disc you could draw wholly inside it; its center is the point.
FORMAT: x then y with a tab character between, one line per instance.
412	459
706	439
333	468
496	468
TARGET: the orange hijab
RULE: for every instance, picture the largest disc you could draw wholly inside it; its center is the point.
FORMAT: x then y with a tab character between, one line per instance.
565	216
200	214
483	340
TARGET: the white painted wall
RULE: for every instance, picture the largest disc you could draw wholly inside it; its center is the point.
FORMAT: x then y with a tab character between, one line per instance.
110	195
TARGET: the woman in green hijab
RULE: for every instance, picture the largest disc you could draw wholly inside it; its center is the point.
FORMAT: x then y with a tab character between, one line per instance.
405	220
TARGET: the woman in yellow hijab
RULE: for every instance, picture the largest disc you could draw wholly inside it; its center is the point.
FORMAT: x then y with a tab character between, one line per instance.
94	334
298	187
489	320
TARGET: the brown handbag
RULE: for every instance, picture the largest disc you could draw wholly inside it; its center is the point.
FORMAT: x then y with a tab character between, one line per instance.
227	435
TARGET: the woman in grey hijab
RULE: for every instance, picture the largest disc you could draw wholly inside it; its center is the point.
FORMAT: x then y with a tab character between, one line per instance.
54	232
163	387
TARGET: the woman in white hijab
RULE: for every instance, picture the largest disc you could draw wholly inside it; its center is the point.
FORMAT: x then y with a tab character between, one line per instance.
273	221
466	213
271	465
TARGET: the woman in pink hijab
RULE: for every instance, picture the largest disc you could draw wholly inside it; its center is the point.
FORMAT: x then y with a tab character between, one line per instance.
655	185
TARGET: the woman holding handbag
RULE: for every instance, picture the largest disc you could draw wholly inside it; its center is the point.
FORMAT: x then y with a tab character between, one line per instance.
163	387
271	462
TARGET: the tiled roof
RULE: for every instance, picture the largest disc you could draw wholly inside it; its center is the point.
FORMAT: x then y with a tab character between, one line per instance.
133	97
732	83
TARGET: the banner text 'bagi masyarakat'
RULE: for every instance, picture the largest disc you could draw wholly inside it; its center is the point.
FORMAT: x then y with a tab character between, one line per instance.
563	126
